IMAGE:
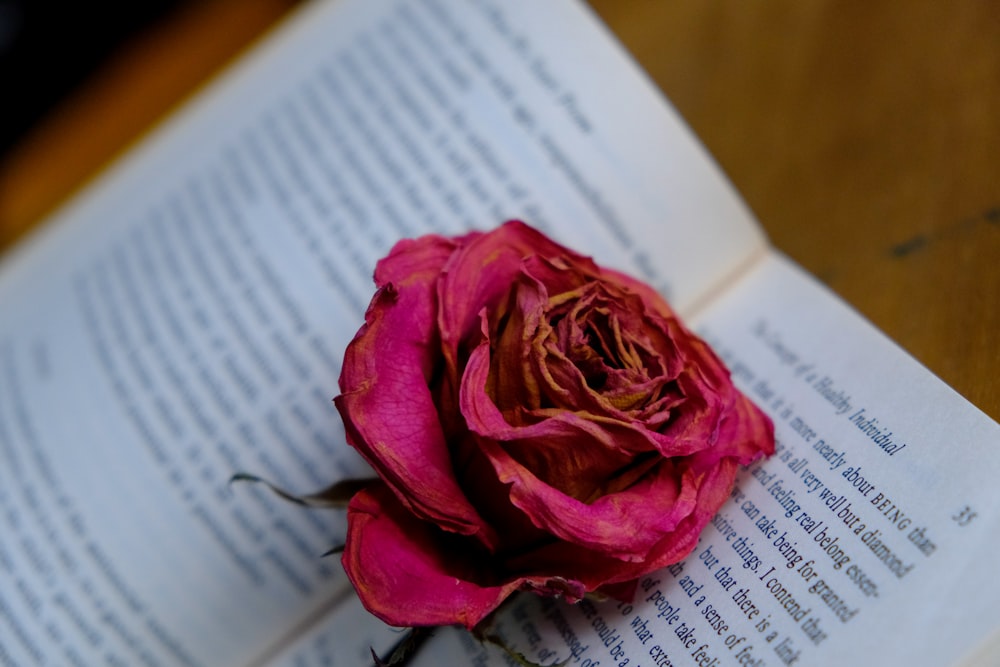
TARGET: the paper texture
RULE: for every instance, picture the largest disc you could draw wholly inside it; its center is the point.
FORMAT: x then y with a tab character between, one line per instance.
183	321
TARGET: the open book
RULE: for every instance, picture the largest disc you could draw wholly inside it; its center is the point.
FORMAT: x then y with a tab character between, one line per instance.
183	320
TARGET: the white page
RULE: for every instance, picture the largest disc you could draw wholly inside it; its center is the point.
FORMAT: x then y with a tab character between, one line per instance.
807	564
930	461
183	320
344	637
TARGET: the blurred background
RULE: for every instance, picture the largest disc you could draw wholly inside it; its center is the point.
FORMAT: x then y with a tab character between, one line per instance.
81	81
864	135
48	47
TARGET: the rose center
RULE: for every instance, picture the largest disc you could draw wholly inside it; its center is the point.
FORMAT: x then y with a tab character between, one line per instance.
596	344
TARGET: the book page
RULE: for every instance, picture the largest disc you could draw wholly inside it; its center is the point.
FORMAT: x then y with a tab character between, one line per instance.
344	637
183	320
871	537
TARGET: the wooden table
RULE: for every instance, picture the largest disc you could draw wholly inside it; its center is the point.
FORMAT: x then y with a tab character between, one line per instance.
865	136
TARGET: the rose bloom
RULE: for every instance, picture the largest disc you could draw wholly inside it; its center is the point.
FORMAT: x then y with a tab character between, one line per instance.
537	423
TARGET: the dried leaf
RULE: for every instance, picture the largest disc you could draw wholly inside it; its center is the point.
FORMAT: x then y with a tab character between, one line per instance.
335	496
334	551
404	649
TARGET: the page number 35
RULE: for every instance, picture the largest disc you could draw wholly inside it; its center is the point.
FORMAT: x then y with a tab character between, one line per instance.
964	516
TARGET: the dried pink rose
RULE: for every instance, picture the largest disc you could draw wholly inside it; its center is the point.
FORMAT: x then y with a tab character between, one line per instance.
538	423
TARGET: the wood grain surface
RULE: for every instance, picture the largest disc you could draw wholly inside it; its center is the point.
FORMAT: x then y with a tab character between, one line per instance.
864	135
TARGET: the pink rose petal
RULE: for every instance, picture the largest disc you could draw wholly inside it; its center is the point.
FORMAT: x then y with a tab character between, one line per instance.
410	573
388	410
